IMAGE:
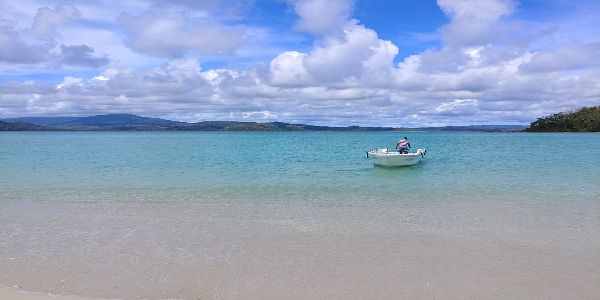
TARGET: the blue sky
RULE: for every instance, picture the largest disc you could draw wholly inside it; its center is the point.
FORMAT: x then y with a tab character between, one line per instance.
335	62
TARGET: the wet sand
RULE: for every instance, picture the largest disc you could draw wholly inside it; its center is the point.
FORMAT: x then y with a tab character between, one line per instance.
16	293
133	250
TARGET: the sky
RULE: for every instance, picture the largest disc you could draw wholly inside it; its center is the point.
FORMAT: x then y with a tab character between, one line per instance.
323	62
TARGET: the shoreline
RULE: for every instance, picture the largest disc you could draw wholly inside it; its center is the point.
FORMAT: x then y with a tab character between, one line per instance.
17	293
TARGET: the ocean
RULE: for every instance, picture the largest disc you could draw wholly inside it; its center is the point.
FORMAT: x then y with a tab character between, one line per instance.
239	215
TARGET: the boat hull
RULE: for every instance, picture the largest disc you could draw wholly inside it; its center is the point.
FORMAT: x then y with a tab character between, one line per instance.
395	159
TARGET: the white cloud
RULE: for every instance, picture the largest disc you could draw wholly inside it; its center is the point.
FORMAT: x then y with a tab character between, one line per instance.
69	81
457	107
160	34
473	22
287	69
15	48
564	58
48	20
476	10
37	44
479	74
358	52
322	16
81	55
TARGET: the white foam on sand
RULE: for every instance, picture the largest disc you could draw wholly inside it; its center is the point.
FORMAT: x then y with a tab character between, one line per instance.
16	293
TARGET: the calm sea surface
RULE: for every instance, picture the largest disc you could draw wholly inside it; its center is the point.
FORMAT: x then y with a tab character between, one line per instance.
292	166
271	214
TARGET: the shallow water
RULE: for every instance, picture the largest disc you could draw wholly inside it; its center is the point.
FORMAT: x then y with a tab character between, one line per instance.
300	215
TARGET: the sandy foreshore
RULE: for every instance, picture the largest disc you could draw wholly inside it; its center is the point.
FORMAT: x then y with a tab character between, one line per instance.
384	251
16	293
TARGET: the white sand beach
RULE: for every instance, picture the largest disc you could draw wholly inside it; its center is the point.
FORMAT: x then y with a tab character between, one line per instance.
142	251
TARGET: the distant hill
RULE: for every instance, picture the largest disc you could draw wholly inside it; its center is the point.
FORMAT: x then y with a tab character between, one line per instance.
98	120
129	122
586	119
484	128
271	126
43	121
20	126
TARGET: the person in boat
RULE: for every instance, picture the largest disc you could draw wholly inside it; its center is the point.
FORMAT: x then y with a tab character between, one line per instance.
403	145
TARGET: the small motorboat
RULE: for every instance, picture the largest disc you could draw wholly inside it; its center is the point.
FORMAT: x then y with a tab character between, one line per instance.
383	157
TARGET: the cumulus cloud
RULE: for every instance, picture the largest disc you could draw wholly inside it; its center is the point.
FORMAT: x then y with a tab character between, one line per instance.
481	10
322	16
564	58
37	44
69	81
473	22
457	107
15	48
356	54
350	75
48	20
163	35
34	44
81	55
198	4
287	69
358	51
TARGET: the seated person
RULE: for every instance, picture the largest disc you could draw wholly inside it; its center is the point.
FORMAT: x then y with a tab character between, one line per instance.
403	145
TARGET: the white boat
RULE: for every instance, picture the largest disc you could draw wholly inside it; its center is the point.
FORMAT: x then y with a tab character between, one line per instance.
386	158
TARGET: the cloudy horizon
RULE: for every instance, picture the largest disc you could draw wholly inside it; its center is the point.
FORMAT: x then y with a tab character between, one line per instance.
336	62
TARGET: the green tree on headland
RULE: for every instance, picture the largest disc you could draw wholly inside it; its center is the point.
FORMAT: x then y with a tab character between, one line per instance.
586	119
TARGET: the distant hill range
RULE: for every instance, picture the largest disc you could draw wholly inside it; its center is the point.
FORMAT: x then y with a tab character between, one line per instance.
586	119
95	121
129	122
485	128
20	126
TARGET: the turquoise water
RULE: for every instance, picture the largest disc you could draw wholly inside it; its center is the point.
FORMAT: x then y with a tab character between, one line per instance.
290	166
296	215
